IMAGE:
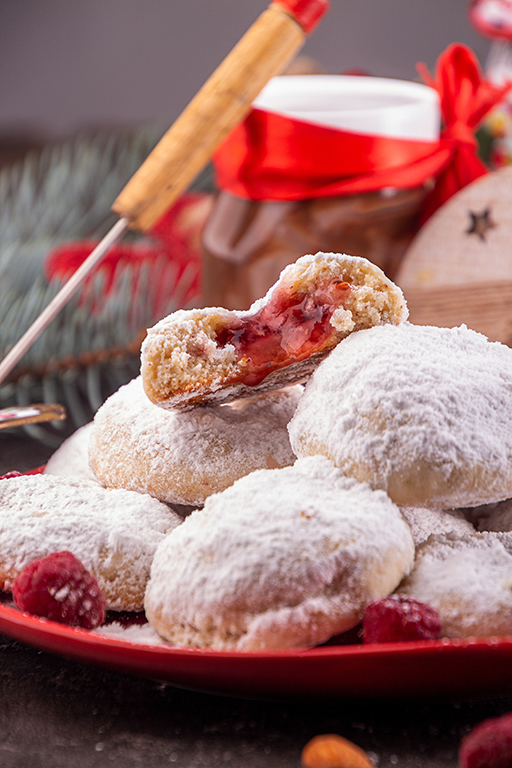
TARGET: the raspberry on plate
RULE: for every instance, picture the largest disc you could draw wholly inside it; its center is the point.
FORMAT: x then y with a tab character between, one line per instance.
488	745
60	588
400	618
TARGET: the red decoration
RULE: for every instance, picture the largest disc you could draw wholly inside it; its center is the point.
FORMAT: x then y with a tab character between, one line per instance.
307	12
272	157
466	98
173	241
492	18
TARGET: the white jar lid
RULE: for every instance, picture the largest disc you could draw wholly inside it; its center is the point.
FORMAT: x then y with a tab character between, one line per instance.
375	106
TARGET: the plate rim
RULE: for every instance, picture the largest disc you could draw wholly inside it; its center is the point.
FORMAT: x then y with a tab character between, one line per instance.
13	616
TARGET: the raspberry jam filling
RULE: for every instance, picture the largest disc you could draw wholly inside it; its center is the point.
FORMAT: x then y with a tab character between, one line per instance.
289	328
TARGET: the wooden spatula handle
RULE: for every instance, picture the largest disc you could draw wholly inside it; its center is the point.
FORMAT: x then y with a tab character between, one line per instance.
223	101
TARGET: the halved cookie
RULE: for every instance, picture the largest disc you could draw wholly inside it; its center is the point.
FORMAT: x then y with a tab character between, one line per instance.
215	355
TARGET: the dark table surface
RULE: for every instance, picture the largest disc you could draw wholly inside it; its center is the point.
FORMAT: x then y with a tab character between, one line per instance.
55	712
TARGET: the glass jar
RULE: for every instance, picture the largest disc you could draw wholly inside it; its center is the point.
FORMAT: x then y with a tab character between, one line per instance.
246	242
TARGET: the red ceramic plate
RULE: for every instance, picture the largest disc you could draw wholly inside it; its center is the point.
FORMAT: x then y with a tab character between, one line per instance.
461	668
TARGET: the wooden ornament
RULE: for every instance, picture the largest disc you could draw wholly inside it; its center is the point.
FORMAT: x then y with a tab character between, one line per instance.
458	269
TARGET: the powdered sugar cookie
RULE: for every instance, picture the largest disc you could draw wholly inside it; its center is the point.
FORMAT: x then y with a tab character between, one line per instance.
114	533
425	522
283	558
468	580
71	459
424	413
182	457
216	355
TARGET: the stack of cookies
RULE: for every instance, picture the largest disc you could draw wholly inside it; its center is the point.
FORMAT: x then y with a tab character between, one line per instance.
321	453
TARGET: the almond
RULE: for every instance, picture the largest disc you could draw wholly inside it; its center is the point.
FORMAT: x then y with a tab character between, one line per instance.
333	751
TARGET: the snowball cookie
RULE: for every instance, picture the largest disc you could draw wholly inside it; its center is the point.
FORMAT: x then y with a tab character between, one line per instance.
284	558
182	457
423	413
424	522
215	355
114	533
71	459
467	579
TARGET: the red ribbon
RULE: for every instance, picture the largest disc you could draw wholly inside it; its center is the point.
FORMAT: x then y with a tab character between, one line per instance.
466	98
272	157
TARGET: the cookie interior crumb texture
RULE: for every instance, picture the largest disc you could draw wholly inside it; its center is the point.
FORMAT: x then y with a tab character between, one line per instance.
214	354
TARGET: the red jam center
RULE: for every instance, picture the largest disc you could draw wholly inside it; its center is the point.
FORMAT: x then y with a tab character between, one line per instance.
289	328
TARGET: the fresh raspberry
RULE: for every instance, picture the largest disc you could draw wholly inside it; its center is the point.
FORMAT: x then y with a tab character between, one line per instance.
60	588
399	618
8	475
488	745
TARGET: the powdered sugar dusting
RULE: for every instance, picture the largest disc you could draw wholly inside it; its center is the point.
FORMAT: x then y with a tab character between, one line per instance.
301	269
142	634
113	532
285	557
71	459
183	456
424	413
425	522
468	580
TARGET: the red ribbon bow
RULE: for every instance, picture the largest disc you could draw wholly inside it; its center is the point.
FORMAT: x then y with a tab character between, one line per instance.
466	98
272	157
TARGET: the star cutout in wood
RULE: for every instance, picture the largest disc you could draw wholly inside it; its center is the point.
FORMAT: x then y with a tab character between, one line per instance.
480	223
